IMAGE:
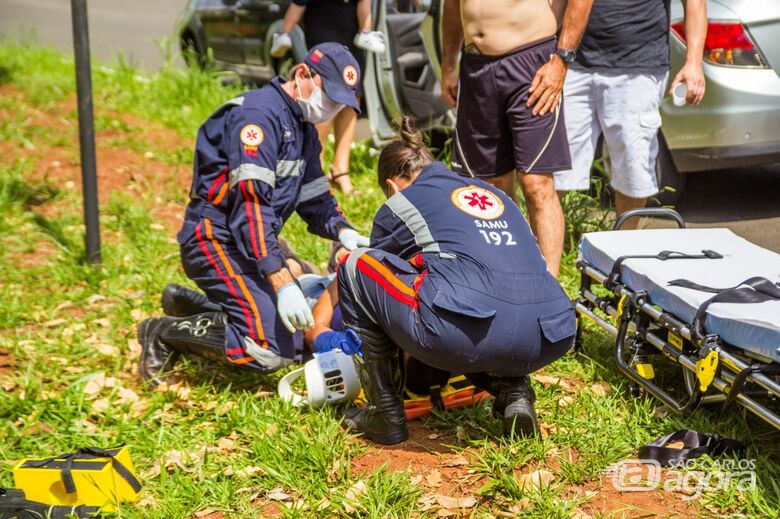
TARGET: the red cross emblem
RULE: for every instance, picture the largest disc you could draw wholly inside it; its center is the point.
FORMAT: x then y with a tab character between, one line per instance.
475	199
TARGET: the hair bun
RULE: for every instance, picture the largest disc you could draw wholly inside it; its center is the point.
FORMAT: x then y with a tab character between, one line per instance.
410	136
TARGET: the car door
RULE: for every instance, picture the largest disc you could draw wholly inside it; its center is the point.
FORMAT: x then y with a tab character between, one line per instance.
405	78
254	17
220	30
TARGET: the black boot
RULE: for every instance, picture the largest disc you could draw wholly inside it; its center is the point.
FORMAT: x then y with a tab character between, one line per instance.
164	338
382	420
179	301
514	405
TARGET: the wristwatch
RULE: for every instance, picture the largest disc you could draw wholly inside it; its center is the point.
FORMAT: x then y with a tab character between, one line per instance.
567	55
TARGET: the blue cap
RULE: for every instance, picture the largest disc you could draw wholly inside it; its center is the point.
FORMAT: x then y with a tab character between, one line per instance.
339	70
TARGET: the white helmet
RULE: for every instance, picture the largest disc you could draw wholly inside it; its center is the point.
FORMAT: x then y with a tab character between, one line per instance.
330	377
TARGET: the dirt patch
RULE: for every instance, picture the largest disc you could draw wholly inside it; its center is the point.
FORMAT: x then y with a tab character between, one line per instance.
128	158
38	254
428	458
7	361
606	500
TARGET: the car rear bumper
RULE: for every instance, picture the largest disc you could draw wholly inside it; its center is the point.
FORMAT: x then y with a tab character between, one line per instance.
720	157
739	117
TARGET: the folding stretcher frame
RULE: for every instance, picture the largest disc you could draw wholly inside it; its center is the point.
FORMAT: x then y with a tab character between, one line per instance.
713	370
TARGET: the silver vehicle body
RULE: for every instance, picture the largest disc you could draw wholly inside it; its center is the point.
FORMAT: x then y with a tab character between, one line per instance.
738	123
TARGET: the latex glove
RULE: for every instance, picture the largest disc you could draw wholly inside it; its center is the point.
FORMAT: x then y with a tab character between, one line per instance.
351	239
293	308
347	341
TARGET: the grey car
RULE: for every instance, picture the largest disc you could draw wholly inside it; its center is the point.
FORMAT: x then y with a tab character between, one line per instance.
236	35
738	123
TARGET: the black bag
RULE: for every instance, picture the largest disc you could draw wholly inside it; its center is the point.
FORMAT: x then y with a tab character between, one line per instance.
13	505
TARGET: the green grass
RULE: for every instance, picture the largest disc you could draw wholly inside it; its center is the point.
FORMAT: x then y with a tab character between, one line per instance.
65	322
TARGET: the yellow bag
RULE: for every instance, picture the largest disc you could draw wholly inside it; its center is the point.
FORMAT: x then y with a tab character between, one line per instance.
89	476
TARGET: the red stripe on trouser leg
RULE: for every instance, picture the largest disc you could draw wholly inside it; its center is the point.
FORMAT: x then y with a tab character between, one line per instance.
386	285
250	219
226	280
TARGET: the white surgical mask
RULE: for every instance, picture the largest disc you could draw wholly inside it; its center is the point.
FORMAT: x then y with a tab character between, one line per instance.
318	108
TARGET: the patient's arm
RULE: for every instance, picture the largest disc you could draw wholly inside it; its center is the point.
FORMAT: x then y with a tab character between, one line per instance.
323	313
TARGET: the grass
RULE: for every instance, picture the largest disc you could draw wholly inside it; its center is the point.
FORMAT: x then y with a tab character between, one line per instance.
224	444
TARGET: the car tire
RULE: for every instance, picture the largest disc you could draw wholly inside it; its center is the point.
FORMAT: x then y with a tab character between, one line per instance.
283	66
192	54
670	181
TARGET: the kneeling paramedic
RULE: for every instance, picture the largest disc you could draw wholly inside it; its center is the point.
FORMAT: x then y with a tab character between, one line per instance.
455	278
257	160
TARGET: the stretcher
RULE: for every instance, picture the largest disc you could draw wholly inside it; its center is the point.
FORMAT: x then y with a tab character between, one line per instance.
703	301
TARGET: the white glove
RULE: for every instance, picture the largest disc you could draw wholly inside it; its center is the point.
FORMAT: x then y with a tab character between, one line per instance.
351	239
293	308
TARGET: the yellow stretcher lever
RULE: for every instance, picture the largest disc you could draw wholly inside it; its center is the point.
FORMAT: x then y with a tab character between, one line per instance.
706	368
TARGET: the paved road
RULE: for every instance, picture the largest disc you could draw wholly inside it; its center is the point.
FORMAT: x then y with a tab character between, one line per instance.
745	200
131	26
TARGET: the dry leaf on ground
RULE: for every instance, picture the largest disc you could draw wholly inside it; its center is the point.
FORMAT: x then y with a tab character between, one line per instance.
455	502
600	389
539	479
433	479
566	401
548	381
97	383
352	495
453	460
278	494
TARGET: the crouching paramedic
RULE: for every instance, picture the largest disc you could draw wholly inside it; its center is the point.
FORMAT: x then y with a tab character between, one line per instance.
256	161
455	278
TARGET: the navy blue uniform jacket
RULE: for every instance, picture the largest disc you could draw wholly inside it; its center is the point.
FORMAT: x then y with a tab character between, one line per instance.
256	162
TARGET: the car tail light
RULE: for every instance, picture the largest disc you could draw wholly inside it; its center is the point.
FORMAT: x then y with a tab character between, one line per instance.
727	43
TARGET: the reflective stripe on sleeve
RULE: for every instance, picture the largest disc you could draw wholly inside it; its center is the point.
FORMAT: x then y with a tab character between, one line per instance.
252	172
289	168
313	189
415	222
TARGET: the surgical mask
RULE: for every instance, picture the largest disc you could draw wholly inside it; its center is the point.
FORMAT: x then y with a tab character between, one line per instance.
318	108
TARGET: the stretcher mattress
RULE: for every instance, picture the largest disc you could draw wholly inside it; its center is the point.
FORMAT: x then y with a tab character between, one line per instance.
754	327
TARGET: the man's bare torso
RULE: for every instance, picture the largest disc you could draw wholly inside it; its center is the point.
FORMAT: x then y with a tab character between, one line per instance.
498	26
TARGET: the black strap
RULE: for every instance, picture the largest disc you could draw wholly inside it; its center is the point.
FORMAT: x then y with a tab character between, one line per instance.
87	453
754	290
614	276
695	444
741	379
14	505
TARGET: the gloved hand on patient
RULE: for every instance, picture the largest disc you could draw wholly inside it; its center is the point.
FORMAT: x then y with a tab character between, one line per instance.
347	341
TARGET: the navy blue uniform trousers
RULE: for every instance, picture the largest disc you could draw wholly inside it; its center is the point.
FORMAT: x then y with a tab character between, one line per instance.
450	326
215	264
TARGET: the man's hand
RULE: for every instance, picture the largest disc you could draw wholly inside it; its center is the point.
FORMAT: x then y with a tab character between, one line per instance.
351	240
449	86
293	309
693	76
547	87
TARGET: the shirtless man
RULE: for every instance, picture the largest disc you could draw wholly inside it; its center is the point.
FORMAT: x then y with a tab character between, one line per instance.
510	121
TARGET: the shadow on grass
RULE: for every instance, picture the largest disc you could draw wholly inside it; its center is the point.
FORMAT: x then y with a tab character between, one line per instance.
5	75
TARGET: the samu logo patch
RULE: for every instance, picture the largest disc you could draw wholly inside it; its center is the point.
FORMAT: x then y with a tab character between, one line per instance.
478	202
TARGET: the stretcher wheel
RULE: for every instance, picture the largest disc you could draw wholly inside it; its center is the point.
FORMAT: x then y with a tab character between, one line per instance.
636	391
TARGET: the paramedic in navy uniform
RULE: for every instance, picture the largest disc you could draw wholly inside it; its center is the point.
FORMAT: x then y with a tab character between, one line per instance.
454	278
256	161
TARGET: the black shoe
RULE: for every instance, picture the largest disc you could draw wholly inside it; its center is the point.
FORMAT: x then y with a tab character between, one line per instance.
164	338
157	358
179	301
514	406
382	420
